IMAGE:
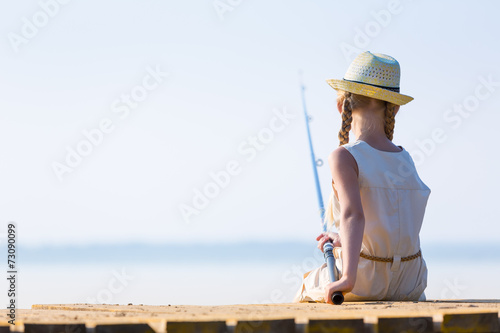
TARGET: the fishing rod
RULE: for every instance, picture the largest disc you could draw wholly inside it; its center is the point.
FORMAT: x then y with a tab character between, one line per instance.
337	297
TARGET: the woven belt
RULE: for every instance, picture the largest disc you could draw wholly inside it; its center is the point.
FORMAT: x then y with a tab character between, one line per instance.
413	256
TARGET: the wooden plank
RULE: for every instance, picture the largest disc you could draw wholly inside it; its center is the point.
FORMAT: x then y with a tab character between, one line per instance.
54	328
335	326
196	327
124	328
405	324
471	322
265	326
93	314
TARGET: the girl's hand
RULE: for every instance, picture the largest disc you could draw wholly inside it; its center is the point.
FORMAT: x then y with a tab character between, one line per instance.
328	237
344	285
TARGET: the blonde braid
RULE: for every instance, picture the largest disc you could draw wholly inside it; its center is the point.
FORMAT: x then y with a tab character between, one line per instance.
390	120
346	120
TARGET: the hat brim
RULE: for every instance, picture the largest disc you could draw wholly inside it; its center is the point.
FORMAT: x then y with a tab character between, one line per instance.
370	91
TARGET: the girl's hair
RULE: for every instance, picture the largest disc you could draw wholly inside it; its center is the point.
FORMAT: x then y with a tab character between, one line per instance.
329	218
349	102
352	101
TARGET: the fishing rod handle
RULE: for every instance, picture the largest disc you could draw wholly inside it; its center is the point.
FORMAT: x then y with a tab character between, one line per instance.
337	297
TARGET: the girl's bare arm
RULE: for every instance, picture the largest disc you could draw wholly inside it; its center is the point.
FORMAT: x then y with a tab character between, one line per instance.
352	222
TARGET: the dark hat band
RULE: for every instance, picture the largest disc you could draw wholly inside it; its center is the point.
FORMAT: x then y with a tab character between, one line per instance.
374	85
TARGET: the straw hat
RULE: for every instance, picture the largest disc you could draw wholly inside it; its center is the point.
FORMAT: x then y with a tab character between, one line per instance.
374	75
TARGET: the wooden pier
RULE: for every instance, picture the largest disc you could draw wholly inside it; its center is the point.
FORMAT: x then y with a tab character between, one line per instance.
422	317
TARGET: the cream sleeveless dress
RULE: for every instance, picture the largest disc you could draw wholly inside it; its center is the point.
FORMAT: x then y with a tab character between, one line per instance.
393	198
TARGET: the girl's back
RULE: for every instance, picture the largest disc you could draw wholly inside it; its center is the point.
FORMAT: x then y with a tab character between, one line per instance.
394	200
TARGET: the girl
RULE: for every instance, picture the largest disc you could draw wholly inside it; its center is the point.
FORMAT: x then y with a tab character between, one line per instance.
377	201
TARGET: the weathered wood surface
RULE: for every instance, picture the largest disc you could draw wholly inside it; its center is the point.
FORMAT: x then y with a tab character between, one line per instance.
429	316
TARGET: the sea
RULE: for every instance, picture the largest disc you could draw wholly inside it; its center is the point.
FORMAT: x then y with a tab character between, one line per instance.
218	274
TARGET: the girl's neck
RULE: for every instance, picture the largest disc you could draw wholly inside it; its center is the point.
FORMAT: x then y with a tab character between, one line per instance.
368	126
372	137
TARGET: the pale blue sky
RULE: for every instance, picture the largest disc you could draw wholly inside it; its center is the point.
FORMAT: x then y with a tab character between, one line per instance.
225	79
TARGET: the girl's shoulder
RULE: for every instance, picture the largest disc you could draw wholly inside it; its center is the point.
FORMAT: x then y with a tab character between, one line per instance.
379	168
341	157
